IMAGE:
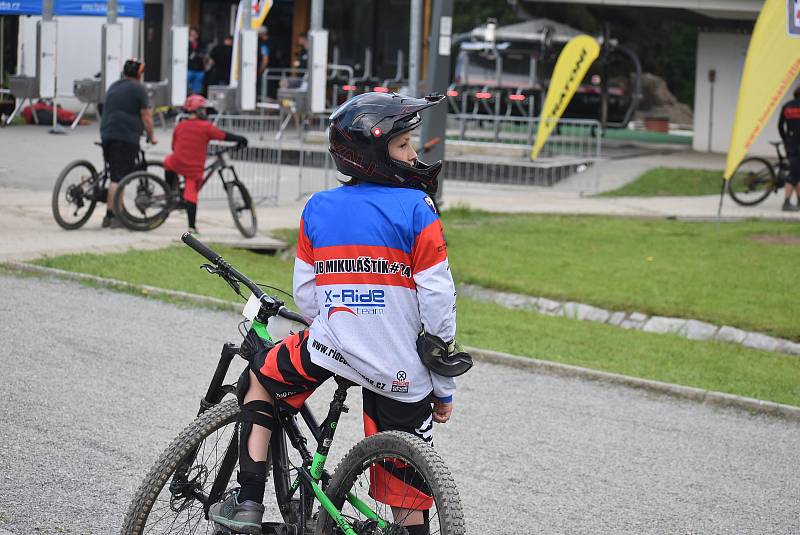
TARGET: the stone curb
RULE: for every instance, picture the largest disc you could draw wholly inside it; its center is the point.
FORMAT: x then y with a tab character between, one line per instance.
686	328
686	392
484	355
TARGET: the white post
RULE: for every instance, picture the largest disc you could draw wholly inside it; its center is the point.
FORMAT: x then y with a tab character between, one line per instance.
180	54
111	65
415	48
248	56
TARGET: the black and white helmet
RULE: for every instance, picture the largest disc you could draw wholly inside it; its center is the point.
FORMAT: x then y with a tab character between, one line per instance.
359	136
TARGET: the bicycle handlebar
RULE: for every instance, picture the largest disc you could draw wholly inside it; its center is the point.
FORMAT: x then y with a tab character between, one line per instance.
220	262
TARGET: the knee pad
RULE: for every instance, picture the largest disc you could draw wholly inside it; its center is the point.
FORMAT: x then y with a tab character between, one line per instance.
254	412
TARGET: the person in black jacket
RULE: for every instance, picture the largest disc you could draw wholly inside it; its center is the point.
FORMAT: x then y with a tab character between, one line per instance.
789	129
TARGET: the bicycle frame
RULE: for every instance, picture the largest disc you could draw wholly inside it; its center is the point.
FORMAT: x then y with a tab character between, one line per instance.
312	475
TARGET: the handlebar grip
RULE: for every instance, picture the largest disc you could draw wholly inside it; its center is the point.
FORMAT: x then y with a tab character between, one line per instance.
292	316
201	248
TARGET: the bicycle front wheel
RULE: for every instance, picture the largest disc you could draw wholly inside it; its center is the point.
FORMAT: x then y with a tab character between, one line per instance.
143	201
242	209
171	498
75	194
396	467
752	181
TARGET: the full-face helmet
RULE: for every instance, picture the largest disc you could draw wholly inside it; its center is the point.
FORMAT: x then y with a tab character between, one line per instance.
359	136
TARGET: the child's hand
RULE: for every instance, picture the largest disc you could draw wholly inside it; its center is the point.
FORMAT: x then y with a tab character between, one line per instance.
441	411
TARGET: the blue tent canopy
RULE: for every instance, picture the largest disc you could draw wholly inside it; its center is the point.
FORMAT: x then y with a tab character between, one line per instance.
86	8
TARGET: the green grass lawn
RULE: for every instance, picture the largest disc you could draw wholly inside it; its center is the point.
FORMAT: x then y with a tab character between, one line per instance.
709	365
670	182
736	273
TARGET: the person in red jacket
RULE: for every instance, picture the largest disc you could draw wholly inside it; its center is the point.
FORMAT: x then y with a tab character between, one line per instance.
189	149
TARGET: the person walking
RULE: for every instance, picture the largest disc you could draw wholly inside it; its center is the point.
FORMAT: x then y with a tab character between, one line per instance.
789	129
126	114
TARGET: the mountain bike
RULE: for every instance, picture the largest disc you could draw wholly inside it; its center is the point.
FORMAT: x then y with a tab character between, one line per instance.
79	187
143	201
756	178
199	465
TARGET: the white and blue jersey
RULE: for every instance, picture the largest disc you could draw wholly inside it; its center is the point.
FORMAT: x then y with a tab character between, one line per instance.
372	270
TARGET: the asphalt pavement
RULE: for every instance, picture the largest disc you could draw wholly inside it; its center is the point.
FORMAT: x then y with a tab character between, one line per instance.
89	399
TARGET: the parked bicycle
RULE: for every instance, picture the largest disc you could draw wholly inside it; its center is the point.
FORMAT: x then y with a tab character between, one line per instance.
79	187
199	465
143	201
756	178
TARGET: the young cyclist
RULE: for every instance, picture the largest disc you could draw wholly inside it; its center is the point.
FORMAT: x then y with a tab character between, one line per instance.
372	271
189	149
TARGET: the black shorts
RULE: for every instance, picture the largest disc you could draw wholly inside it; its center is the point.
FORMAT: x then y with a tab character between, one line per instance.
287	373
121	157
794	169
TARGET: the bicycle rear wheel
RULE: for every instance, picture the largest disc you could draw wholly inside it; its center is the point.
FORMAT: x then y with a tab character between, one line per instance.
75	194
242	209
752	182
172	496
413	473
143	201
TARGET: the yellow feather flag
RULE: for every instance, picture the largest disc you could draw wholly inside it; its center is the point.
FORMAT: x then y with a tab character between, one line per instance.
572	65
770	68
260	11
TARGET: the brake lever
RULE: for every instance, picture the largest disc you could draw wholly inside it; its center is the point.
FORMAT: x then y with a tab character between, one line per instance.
221	273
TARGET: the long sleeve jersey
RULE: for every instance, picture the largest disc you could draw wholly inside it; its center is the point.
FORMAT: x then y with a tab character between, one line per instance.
372	271
789	125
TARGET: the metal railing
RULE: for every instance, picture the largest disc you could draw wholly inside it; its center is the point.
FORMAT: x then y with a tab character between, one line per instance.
481	148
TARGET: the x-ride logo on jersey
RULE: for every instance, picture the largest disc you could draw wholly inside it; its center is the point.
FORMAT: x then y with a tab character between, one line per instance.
356	301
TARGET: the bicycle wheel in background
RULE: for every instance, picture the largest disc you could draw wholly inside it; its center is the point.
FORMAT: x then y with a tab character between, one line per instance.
403	458
75	194
242	209
143	201
752	182
169	498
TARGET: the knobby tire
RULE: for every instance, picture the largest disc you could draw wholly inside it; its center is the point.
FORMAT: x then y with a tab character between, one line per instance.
449	517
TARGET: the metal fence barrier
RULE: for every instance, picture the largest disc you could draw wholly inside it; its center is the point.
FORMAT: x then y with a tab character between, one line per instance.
259	165
481	148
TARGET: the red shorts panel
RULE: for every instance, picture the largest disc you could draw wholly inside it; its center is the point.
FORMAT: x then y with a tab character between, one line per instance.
287	373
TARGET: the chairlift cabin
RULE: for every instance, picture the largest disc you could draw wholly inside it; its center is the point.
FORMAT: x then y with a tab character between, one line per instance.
506	70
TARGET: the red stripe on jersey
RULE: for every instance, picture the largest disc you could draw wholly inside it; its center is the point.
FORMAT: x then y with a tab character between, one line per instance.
430	248
304	249
362	264
791	112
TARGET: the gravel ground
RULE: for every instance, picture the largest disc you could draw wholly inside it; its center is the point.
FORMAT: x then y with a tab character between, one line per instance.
96	383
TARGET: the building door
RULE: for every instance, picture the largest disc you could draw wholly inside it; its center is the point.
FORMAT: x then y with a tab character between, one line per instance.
153	33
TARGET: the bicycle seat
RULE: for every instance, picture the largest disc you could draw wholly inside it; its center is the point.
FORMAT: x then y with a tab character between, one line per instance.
776	143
